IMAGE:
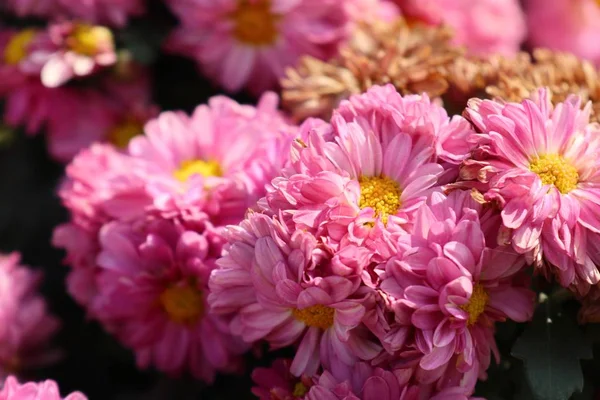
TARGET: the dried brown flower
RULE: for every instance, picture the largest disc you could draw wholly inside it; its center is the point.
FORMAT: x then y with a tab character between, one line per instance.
413	58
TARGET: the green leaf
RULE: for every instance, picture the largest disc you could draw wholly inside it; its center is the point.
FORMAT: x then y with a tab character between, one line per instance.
551	348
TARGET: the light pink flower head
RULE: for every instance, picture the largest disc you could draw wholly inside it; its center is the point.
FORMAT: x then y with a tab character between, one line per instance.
25	324
215	163
81	49
47	390
257	39
484	27
567	25
282	289
539	164
448	285
152	289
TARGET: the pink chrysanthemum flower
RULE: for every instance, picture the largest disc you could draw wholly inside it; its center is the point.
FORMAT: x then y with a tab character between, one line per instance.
448	285
539	164
566	25
484	27
152	289
81	49
281	286
47	390
277	383
371	169
215	163
257	38
25	325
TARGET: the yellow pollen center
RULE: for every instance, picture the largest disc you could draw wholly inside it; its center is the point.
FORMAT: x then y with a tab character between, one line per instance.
555	170
300	390
197	167
381	194
254	23
319	315
89	40
183	303
124	132
476	305
16	49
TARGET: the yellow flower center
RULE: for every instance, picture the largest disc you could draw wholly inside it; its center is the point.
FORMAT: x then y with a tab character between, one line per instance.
300	389
254	23
16	49
183	303
476	305
124	132
319	315
197	167
89	40
555	170
381	194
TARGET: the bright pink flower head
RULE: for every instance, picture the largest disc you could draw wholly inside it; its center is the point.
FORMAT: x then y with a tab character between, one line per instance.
215	163
47	390
152	289
81	49
540	165
257	39
277	383
449	284
484	27
25	325
282	288
567	25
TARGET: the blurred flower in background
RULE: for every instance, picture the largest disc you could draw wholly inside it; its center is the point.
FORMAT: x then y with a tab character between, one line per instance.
47	390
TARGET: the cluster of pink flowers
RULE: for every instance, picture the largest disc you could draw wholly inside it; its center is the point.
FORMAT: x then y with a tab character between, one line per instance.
26	327
359	260
37	71
48	390
147	224
258	39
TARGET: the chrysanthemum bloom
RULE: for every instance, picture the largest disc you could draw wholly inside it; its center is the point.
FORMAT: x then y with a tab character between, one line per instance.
277	383
257	38
371	169
282	289
81	49
25	325
152	289
47	390
565	25
539	164
484	27
448	285
213	165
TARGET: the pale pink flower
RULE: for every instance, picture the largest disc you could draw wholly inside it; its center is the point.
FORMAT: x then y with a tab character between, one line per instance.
46	390
81	49
283	290
257	39
484	27
277	383
25	324
215	163
152	288
567	25
539	164
448	285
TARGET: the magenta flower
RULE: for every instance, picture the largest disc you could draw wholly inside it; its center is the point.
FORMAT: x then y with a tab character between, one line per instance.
47	390
25	324
257	38
565	25
81	49
448	285
484	27
539	164
152	287
277	383
282	289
